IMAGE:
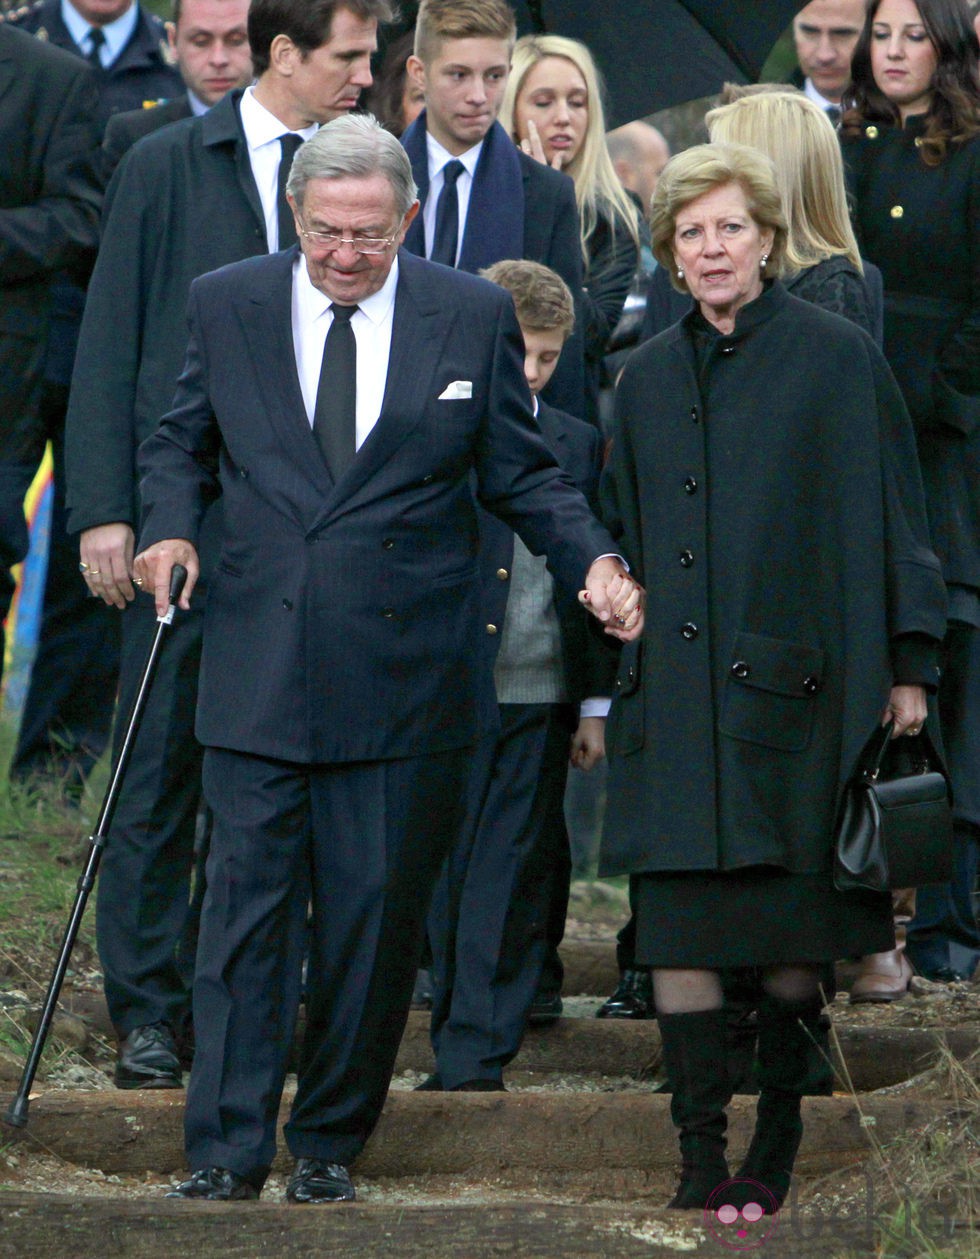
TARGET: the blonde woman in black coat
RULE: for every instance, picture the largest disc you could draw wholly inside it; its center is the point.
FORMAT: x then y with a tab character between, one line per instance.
911	142
764	485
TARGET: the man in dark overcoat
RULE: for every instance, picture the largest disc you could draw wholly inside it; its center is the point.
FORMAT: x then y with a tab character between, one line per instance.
49	217
69	705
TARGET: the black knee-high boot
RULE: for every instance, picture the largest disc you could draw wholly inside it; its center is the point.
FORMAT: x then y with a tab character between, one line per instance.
696	1057
791	1064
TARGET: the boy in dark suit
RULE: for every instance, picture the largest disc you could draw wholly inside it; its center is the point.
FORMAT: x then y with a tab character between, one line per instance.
498	912
482	199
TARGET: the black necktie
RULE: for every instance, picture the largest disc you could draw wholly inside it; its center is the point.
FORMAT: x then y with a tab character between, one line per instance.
288	145
833	113
96	38
335	413
447	216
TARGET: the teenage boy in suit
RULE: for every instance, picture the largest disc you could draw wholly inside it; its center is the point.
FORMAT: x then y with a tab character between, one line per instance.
498	912
482	199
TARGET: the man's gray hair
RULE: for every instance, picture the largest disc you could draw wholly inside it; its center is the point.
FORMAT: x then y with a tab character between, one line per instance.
358	145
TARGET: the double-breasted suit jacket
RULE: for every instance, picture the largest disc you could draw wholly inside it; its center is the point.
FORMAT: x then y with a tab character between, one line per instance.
343	621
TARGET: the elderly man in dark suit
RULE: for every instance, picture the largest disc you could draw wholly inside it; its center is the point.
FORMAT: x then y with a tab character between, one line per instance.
340	400
49	219
208	39
196	195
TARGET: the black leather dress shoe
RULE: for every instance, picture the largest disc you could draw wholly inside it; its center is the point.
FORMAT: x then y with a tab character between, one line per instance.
148	1059
479	1086
215	1184
546	1008
431	1084
313	1181
944	975
633	998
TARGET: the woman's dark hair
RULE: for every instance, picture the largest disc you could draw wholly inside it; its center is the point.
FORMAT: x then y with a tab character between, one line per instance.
954	113
308	23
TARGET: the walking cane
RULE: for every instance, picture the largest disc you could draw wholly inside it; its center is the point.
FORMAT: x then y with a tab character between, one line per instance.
16	1116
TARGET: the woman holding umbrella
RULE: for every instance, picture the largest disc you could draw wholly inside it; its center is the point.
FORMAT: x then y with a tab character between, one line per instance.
764	483
911	142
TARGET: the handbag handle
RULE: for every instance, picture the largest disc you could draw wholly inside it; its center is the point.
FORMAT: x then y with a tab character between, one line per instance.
918	745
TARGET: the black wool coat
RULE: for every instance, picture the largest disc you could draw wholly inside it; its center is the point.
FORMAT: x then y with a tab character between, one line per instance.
921	225
771	505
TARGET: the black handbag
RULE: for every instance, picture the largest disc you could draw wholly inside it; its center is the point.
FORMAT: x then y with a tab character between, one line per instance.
895	827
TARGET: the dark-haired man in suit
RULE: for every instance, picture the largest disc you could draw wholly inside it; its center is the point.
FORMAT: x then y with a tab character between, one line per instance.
342	400
192	197
49	219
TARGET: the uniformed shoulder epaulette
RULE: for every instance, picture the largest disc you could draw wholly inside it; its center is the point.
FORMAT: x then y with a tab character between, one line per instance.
25	11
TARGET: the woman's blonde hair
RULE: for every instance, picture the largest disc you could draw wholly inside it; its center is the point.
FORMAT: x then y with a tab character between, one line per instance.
597	187
800	139
701	170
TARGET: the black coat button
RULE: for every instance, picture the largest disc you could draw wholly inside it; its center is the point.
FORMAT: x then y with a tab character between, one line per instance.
388	543
687	558
740	669
694	414
427	480
243	473
689	631
387	613
690	486
811	684
728	349
287	604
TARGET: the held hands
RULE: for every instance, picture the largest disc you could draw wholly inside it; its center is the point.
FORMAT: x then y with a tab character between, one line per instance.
106	555
907	708
153	567
533	147
613	597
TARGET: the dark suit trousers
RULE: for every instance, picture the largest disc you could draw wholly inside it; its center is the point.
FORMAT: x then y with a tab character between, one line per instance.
508	870
144	881
945	913
363	842
71	699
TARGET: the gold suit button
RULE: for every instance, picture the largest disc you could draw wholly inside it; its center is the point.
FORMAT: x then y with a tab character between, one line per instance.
871	132
491	629
502	574
918	142
896	211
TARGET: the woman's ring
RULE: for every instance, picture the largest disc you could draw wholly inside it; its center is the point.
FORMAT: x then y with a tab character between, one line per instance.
94	572
83	567
137	581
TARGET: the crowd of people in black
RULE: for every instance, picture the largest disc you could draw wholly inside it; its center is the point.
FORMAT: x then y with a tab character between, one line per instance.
412	369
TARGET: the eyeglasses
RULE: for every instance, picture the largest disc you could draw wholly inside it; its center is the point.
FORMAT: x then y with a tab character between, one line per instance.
332	241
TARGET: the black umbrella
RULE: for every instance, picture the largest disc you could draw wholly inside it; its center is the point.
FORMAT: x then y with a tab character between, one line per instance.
658	53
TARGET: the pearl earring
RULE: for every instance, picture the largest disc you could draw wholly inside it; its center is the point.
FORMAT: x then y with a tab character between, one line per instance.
680	273
762	262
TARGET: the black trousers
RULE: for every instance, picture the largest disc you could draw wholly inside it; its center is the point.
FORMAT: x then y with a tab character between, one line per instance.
944	931
502	894
362	843
143	906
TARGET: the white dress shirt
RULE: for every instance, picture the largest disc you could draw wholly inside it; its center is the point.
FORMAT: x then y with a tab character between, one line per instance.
262	132
438	157
817	97
371	324
117	34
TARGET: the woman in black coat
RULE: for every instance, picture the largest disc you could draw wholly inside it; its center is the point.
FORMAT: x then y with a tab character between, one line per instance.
764	483
911	141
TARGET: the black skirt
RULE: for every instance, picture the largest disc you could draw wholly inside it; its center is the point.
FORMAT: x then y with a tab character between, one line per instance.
759	916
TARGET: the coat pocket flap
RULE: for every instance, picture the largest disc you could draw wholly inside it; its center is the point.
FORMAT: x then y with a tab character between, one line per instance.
777	665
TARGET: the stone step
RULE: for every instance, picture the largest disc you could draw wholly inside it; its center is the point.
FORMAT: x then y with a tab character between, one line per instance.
63	1227
616	1145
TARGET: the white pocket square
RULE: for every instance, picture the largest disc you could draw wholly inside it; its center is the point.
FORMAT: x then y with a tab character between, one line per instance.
458	389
